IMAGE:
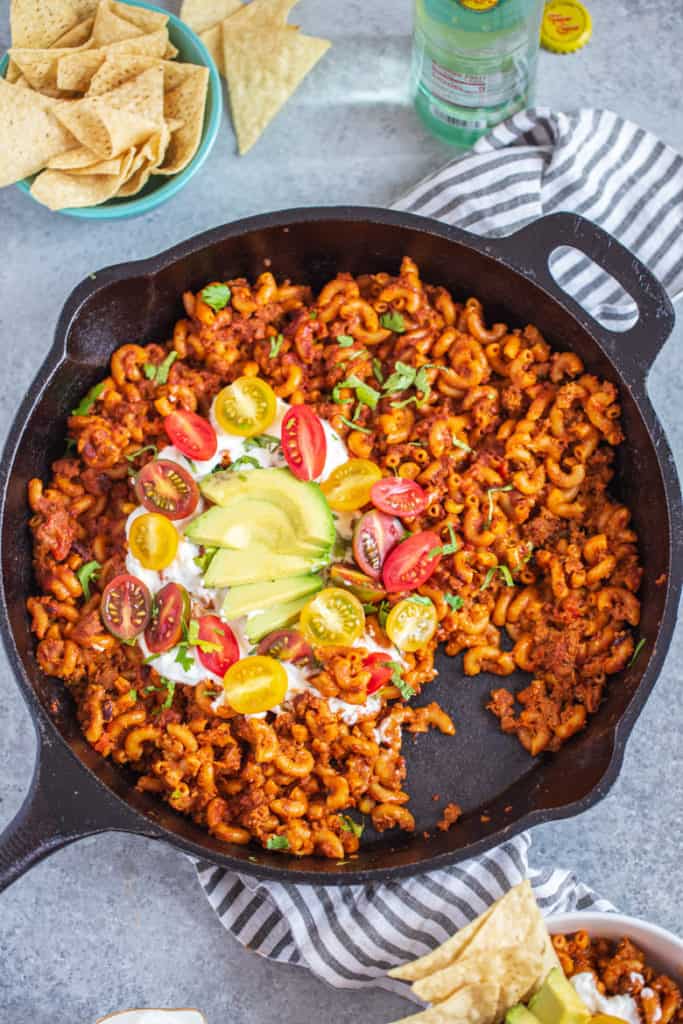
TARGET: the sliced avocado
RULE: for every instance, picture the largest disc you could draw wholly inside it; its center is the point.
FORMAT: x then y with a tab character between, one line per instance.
557	1002
519	1014
249	521
275	618
303	502
234	568
248	598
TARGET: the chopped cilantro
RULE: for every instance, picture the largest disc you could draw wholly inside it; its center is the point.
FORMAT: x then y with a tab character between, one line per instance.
183	657
176	794
86	404
133	694
397	680
446	549
170	690
638	648
355	426
403	377
244	460
159	374
419	599
313	314
277	843
405	402
365	393
489	494
87	574
267	441
504	572
275	345
148	448
393	321
382	613
356	828
202	561
454	602
217	296
377	370
148	661
457	443
345	340
195	640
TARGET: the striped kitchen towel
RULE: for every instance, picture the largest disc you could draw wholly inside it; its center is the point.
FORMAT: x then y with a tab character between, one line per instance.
615	173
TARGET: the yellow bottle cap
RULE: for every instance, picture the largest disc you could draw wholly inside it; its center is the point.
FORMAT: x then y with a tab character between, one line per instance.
480	5
566	26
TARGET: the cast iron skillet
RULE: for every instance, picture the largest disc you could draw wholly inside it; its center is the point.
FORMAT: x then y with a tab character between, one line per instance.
75	792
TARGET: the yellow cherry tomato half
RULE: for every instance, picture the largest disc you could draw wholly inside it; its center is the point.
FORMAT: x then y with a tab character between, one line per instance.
333	618
246	407
411	624
255	684
153	540
348	487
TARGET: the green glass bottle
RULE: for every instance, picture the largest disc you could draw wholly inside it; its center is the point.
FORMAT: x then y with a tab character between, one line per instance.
474	63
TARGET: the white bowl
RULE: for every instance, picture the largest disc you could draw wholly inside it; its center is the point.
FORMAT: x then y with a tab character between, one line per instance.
663	949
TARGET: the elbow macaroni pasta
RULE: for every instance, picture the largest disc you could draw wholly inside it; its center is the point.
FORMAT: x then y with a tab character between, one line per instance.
513	444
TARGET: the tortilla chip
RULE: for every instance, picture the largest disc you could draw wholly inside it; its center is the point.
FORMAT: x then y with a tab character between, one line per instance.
109	27
59	189
142	95
40	66
146	21
514	969
38	23
75	70
472	1004
31	134
444	954
186	105
258	12
106	130
203	14
73	159
76	36
120	67
264	68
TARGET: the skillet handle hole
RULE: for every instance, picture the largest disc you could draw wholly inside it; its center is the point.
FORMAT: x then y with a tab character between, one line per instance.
595	289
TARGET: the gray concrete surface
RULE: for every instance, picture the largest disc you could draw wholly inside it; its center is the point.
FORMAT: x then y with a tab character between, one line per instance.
116	922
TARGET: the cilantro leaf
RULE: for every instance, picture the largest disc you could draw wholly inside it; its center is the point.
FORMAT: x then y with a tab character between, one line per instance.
195	640
489	494
420	599
202	561
397	680
365	393
244	460
638	648
86	404
383	613
393	321
217	296
355	426
267	441
405	402
133	694
169	686
159	374
356	828
277	843
504	572
275	345
87	574
313	314
176	794
403	377
183	656
446	549
454	602
141	451
377	370
457	443
345	340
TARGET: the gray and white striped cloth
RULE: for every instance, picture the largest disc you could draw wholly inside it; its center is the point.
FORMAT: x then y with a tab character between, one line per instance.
610	170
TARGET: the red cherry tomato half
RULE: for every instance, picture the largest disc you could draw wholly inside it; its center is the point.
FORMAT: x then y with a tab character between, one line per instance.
398	497
303	442
287	645
373	538
171	613
125	607
410	564
191	434
164	486
215	631
380	673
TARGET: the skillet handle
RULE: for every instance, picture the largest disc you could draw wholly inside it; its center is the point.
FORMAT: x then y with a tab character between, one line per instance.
633	350
63	804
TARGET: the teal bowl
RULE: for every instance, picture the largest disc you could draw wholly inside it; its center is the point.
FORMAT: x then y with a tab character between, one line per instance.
158	189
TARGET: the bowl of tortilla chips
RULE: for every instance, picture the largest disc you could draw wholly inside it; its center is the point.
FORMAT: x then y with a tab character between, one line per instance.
107	108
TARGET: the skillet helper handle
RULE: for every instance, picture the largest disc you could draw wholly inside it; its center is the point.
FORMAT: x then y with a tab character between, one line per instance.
634	349
63	804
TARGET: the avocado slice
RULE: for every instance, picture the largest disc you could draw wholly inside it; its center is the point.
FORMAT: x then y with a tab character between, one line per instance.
249	521
253	596
275	618
302	501
255	565
557	1002
519	1014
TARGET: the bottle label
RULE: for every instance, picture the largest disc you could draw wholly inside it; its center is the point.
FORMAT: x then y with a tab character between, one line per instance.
471	125
470	90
